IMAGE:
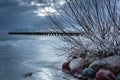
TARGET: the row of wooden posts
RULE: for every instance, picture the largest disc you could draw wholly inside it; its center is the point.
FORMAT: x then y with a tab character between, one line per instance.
46	33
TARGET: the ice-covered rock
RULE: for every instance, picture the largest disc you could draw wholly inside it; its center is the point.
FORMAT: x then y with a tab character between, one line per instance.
113	60
96	65
103	74
88	73
91	57
65	67
112	63
77	65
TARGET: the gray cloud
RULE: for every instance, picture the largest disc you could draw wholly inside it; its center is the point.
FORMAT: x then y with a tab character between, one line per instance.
17	14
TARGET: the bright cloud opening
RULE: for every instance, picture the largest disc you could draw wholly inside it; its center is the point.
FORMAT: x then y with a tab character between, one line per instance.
62	2
46	11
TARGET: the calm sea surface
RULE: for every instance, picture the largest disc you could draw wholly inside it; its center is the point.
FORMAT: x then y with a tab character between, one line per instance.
23	54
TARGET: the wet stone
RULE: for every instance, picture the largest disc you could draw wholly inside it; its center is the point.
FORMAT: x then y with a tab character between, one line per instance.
65	67
111	63
118	76
103	74
88	73
77	66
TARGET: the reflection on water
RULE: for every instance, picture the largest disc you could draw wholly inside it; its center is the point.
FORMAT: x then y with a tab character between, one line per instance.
34	54
51	74
45	74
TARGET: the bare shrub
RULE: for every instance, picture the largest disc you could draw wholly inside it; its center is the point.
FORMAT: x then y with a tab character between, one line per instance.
98	20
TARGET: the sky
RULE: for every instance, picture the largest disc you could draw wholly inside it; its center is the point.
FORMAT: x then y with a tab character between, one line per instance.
24	14
30	15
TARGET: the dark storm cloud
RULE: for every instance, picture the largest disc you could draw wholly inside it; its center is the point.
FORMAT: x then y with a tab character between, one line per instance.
38	1
20	14
8	3
10	13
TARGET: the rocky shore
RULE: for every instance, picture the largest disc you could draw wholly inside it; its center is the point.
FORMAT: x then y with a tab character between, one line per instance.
92	67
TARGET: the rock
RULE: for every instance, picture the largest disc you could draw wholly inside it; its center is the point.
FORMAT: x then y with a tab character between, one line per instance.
96	65
118	76
113	60
29	74
65	67
103	74
91	57
77	65
88	73
111	63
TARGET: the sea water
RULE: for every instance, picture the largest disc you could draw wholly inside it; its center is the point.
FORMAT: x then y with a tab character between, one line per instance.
23	54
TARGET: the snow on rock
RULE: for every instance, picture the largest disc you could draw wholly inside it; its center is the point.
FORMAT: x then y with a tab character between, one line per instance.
65	65
91	57
112	62
77	65
103	74
97	64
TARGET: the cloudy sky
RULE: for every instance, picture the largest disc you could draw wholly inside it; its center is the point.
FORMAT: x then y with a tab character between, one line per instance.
24	14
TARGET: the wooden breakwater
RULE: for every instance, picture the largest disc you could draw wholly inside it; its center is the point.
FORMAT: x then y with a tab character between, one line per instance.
47	33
